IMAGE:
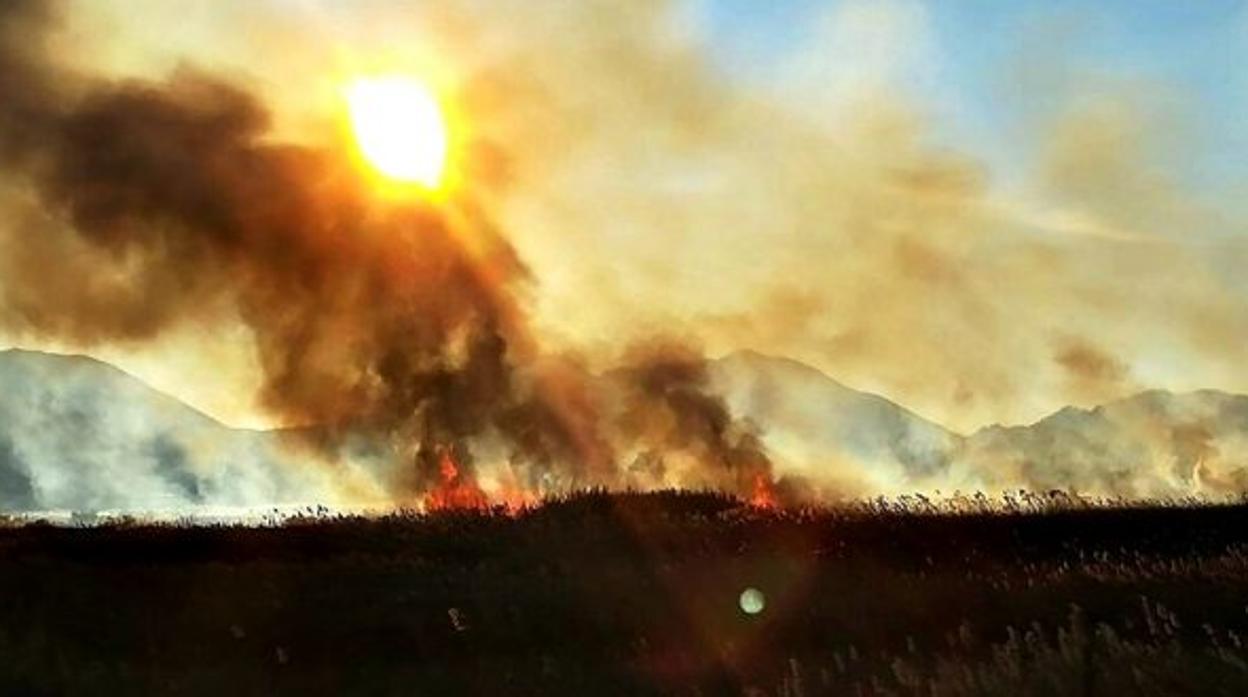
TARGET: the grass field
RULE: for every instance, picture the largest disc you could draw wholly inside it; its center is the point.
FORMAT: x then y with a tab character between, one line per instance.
639	594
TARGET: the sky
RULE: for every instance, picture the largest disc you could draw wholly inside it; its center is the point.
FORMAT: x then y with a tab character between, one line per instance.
1192	49
984	210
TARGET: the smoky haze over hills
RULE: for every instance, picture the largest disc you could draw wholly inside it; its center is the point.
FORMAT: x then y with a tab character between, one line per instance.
79	434
855	442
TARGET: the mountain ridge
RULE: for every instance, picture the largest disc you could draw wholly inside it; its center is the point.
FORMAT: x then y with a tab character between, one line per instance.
79	433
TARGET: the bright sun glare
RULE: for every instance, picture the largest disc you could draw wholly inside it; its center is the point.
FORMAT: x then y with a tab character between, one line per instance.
399	128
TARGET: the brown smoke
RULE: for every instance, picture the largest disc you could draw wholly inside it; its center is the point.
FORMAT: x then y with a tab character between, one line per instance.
155	202
1091	373
669	412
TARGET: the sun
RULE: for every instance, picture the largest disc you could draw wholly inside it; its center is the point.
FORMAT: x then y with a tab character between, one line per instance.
399	127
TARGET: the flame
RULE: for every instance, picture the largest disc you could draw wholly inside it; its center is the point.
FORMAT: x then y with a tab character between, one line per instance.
516	499
447	467
454	489
763	494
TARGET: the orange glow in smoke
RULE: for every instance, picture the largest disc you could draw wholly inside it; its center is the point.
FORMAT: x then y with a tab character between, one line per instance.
764	492
454	489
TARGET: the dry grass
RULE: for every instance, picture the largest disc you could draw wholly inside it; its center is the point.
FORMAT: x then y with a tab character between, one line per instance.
637	594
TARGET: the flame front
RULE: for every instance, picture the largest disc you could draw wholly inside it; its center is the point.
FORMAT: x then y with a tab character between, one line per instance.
763	494
455	488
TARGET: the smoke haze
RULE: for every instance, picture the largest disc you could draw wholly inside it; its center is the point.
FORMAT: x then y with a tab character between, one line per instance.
617	186
391	322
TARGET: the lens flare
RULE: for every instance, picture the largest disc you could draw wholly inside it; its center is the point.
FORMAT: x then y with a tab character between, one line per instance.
399	128
752	601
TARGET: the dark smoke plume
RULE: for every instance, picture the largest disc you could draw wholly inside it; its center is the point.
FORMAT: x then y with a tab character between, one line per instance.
152	203
668	410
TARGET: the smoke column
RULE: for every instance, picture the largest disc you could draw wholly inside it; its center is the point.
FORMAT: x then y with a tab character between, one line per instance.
150	203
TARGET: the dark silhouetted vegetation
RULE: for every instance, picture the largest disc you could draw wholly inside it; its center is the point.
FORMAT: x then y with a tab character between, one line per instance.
638	594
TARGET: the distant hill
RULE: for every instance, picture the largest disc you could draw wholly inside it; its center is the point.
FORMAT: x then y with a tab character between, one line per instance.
815	424
79	434
1155	443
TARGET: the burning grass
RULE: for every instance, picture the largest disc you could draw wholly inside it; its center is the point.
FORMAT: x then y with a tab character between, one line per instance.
639	594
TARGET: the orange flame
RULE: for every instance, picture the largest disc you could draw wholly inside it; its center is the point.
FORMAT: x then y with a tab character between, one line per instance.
454	490
515	499
764	492
448	468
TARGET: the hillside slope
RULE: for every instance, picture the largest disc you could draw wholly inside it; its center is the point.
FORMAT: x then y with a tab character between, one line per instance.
818	427
1155	443
79	434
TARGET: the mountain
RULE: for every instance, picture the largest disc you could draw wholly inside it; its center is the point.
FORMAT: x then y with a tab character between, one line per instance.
815	426
79	434
1155	443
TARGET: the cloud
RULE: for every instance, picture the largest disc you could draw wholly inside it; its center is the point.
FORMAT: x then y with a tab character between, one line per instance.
861	50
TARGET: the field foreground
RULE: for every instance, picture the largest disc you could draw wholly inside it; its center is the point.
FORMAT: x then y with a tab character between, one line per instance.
638	594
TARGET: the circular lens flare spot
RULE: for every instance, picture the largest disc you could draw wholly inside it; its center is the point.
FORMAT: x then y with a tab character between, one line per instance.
752	601
399	128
